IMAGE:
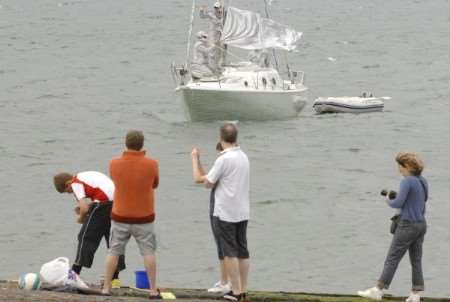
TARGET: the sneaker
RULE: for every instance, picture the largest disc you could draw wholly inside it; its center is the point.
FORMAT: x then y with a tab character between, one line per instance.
232	297
115	283
372	293
220	288
413	297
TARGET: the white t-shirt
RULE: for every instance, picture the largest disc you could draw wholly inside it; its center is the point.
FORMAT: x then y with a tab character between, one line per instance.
231	172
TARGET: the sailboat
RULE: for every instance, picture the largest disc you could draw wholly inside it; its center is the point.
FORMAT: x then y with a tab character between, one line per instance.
244	90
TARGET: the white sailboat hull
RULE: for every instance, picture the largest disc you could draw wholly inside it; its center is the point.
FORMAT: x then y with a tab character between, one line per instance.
226	104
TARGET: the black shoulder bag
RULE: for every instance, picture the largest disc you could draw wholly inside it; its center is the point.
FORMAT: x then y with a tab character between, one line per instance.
396	218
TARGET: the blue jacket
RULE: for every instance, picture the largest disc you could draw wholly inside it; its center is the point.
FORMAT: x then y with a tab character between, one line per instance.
411	198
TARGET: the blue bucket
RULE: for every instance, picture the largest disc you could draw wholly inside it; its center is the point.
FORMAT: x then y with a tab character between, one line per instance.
141	279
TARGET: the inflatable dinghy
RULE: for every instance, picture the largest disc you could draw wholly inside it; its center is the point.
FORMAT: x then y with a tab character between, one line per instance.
351	104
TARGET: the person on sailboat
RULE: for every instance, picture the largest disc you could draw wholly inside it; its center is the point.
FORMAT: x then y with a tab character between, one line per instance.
200	67
259	57
216	19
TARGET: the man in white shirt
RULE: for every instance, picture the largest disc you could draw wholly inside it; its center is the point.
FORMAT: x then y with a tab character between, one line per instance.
231	173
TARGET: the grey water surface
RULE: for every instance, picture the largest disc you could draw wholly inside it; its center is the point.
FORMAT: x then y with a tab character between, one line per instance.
76	75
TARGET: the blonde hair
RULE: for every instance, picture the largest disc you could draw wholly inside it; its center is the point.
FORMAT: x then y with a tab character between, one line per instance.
411	161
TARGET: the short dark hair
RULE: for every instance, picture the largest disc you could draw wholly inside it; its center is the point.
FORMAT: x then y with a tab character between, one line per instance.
229	133
134	140
60	181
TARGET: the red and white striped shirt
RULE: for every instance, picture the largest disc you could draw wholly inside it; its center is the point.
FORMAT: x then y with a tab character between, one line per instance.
93	185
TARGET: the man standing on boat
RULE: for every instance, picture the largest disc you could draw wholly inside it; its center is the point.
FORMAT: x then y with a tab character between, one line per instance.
216	19
231	173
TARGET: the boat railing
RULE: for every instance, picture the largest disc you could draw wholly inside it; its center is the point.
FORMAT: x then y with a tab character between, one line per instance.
296	77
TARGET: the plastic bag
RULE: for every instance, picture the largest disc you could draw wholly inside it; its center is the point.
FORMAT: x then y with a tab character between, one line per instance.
58	273
55	272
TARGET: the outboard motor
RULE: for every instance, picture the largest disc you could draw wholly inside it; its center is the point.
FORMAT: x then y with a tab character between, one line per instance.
179	74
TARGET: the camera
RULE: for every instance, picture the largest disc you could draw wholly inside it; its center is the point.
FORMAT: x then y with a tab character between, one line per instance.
391	194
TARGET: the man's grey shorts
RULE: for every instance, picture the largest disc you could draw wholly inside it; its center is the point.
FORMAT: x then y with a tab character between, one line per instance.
142	233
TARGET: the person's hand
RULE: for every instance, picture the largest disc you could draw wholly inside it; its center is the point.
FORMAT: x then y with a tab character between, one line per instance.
77	210
195	153
80	219
219	147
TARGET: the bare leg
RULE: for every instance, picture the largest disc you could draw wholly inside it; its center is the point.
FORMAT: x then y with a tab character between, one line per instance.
150	267
244	265
232	268
224	279
111	265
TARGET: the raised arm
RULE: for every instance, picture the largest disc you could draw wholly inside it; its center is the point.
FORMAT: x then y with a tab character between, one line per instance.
198	172
205	14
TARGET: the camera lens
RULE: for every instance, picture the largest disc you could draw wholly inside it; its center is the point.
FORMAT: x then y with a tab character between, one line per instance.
392	194
383	192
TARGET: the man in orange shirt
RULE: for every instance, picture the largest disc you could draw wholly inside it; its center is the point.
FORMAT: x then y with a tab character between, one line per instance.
135	177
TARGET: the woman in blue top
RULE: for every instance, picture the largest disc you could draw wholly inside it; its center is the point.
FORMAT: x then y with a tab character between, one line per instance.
411	229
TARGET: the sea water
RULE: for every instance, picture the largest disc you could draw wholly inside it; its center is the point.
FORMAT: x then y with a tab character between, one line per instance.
76	75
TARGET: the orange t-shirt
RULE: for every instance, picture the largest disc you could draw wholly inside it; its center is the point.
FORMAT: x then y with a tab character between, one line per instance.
135	177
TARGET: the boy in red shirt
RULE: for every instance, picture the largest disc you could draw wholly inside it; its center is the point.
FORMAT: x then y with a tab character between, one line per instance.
94	193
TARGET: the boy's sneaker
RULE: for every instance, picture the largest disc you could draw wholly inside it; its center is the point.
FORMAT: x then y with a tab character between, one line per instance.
413	297
220	288
115	283
232	297
372	293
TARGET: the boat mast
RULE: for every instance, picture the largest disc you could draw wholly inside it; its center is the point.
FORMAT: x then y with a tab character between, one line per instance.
188	62
274	54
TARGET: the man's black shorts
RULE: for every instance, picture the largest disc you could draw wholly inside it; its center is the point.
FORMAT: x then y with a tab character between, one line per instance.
232	238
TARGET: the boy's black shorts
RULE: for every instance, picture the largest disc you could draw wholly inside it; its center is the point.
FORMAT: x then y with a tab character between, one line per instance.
96	226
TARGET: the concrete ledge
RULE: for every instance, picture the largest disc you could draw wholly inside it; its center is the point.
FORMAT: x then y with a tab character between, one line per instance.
9	292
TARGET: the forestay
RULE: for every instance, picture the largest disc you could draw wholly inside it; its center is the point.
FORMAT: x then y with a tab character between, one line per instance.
248	30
